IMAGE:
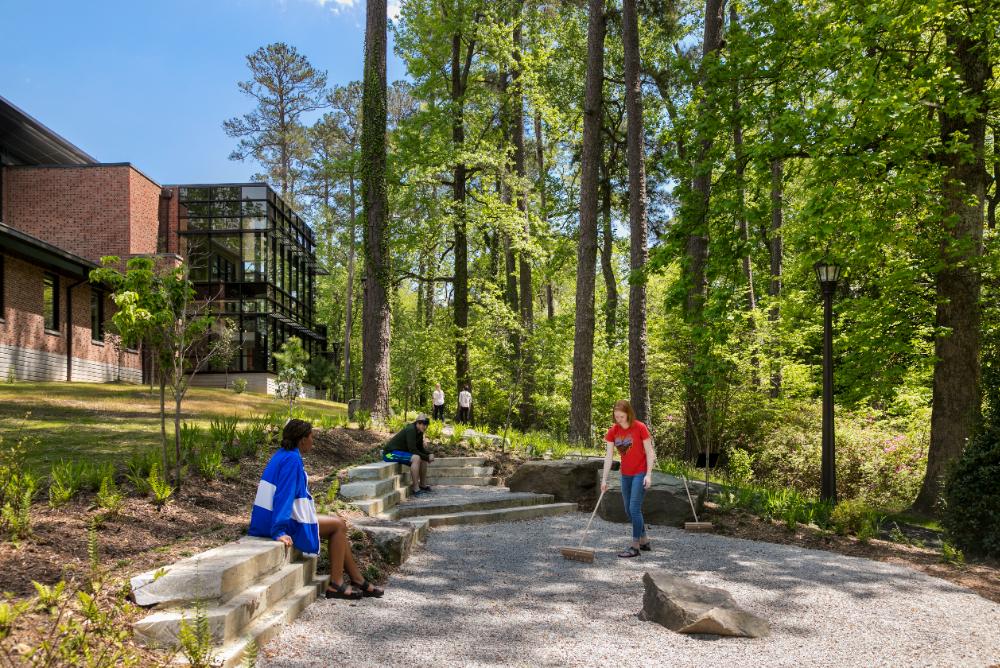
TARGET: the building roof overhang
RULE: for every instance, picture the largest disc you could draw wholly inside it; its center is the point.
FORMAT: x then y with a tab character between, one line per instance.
17	243
26	141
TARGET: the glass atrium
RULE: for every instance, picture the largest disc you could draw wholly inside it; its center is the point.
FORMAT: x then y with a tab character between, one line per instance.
255	258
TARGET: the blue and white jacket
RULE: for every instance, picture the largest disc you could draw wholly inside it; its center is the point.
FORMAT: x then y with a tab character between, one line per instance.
283	505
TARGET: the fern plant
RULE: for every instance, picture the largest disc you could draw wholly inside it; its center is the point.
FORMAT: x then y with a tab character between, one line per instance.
160	488
195	638
108	496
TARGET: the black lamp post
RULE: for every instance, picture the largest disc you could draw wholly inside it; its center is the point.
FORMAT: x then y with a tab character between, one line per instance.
828	273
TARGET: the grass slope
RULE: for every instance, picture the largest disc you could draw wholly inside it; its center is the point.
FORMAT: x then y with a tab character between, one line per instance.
102	422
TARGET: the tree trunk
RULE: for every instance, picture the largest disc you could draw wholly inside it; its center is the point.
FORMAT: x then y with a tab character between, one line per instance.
349	297
774	287
638	381
526	410
461	286
374	198
607	258
543	211
177	437
586	257
163	423
696	250
956	393
740	159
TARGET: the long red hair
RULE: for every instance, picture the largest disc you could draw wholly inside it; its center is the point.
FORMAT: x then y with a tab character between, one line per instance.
625	407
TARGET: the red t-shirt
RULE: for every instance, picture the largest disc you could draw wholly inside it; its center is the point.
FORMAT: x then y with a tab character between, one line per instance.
629	445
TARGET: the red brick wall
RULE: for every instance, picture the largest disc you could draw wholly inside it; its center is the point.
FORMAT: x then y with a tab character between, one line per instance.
144	207
91	211
23	324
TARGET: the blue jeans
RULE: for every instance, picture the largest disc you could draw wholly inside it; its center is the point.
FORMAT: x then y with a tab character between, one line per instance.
633	492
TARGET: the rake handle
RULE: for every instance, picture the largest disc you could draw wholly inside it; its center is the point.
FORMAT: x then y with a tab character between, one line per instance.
584	534
693	511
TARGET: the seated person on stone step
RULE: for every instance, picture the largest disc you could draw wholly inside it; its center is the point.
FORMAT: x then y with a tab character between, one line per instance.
407	448
284	511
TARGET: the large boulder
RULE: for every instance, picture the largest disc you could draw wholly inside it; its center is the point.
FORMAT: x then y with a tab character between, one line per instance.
568	480
665	501
686	607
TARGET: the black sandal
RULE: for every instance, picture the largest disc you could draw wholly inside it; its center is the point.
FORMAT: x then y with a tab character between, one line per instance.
629	553
340	591
368	590
645	547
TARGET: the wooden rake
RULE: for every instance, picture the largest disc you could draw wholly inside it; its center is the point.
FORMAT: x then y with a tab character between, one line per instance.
696	525
580	553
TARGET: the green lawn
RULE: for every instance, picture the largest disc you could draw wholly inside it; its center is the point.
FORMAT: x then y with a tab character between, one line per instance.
102	422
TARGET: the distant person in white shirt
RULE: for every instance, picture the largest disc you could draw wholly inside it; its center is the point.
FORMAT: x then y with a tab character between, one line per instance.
438	399
464	405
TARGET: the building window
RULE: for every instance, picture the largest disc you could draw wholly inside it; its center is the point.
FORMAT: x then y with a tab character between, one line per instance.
50	301
97	315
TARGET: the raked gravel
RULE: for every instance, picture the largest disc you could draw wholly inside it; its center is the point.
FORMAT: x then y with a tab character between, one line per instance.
502	595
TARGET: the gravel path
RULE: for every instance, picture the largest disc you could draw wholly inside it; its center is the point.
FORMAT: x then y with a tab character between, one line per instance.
502	595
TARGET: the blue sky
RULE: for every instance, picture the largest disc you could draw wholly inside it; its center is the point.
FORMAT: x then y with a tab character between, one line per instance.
150	81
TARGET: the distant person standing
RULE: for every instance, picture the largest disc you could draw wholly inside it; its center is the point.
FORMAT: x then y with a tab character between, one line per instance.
437	398
464	405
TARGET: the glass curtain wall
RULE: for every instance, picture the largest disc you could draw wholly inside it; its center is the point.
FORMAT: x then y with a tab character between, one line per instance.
254	257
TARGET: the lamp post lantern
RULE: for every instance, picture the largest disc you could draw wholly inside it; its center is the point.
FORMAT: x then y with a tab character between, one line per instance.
828	273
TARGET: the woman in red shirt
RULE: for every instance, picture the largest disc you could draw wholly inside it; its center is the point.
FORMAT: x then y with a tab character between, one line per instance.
632	440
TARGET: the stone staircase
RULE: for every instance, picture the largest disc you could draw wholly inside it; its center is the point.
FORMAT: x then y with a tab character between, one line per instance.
247	590
465	492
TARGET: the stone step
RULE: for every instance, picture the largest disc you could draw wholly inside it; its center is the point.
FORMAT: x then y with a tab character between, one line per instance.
427	505
500	514
269	623
370	489
381	504
458	461
373	471
215	575
225	621
459	471
471	480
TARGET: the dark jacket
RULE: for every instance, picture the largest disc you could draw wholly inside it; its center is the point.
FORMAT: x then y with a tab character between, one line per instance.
408	439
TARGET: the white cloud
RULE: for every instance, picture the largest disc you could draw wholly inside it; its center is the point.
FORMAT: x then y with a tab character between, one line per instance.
337	6
392	9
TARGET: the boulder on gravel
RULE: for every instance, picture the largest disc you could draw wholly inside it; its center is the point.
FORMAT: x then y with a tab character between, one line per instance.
685	607
568	480
665	502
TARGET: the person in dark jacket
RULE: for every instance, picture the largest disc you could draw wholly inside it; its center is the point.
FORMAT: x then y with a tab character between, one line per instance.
407	448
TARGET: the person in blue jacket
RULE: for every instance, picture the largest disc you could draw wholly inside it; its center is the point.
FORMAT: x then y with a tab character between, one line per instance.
284	511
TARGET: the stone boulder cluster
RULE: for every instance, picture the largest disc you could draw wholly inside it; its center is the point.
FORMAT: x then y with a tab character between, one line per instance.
578	481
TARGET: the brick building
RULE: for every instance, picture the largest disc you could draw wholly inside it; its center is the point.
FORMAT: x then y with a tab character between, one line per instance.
61	211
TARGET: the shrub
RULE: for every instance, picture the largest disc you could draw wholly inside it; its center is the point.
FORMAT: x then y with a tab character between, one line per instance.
252	438
363	418
223	432
230	472
972	496
11	376
740	466
190	436
17	489
854	517
209	461
434	430
240	385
